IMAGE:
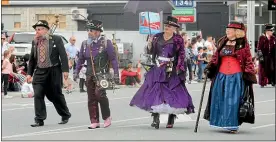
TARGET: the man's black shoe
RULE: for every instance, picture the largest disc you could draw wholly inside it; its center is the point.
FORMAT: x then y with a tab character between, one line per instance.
37	124
64	121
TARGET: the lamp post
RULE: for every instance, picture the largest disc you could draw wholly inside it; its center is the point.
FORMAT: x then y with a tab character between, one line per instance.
251	25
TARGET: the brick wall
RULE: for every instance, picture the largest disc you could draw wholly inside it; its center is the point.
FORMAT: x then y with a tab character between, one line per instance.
28	16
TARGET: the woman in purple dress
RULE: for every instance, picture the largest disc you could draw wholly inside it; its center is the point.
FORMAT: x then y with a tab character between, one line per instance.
164	90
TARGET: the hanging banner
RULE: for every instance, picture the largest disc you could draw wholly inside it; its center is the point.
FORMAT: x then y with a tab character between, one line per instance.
149	23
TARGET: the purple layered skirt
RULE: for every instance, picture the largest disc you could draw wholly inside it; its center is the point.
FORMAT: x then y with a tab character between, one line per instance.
160	94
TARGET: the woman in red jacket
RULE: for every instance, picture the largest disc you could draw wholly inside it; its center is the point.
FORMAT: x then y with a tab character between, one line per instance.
266	55
232	72
128	77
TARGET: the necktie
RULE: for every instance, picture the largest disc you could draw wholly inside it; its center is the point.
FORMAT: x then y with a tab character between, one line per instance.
42	51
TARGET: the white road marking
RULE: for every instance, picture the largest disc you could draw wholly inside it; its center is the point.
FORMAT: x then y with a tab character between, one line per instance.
265	101
265	114
49	131
57	131
263	126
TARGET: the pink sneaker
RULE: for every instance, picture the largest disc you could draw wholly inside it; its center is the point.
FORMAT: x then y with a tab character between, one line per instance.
94	126
107	122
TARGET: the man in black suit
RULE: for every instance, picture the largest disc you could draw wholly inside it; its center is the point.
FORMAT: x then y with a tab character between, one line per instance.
48	60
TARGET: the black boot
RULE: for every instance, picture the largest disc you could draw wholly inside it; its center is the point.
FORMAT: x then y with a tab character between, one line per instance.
82	90
171	119
156	120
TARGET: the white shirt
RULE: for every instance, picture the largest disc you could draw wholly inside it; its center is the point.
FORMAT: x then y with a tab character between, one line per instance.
199	44
4	47
27	88
207	44
82	73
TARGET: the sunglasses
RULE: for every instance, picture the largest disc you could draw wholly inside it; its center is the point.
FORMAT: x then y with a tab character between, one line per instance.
3	38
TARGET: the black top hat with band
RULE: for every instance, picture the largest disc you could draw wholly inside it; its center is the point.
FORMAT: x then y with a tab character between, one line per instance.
236	25
269	27
42	23
172	21
95	25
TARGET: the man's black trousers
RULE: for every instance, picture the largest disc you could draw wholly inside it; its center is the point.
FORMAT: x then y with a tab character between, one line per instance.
48	82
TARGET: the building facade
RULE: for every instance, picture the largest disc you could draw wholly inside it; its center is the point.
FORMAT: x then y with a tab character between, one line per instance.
212	17
17	18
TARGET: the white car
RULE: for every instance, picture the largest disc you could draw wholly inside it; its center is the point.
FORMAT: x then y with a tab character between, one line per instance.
22	42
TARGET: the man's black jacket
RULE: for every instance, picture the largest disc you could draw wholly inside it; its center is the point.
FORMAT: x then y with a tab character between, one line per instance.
57	56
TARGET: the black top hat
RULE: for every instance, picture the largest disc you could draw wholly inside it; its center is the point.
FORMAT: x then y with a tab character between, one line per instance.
95	25
172	21
42	23
236	25
269	27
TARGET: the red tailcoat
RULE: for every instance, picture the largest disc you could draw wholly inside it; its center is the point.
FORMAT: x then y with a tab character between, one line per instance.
267	67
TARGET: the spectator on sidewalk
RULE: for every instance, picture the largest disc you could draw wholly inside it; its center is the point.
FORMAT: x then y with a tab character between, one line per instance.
200	64
129	77
82	77
6	71
27	90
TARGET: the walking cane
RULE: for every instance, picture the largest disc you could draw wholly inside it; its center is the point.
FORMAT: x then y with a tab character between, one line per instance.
200	104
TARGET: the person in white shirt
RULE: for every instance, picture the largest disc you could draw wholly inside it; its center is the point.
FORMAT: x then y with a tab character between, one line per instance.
27	90
4	45
199	42
82	77
208	44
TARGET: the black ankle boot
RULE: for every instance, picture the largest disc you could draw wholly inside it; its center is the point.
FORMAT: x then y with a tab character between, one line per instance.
156	120
171	119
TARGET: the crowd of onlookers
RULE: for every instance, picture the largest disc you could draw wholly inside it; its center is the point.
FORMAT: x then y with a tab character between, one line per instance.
13	71
198	54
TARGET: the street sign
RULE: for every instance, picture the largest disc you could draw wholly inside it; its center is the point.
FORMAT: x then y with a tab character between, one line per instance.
192	34
184	3
185	19
5	2
183	11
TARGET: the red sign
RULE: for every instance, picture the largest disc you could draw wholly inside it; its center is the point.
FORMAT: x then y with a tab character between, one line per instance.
185	19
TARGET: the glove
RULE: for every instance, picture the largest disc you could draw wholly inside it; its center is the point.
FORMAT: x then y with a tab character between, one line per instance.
117	79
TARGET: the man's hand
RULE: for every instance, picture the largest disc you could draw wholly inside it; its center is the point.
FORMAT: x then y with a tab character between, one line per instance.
29	79
65	75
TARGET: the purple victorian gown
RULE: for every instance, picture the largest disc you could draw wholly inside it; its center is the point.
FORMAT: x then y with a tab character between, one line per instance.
164	92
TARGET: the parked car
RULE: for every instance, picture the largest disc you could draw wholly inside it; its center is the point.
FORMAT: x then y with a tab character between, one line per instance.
22	42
